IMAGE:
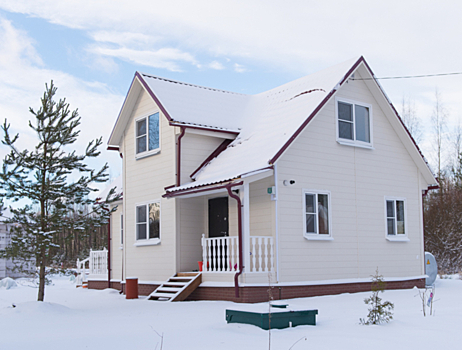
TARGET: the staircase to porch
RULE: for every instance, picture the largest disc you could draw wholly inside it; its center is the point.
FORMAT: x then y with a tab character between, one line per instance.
178	287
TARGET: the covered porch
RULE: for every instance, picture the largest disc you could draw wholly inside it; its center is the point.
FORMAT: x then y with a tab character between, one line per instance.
228	234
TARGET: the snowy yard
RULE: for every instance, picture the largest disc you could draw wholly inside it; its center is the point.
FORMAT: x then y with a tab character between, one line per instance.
75	318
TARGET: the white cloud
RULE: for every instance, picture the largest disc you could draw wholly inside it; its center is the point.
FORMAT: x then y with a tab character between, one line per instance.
239	68
216	65
166	58
23	78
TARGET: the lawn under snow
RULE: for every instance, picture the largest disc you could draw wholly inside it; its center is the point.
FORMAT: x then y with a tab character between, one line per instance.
75	318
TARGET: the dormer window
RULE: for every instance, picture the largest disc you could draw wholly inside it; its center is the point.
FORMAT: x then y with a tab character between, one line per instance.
147	135
354	123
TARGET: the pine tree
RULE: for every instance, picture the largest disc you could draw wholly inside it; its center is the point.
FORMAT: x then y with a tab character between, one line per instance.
379	311
42	177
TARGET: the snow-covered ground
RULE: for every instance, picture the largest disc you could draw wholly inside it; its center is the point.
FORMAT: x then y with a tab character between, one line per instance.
75	318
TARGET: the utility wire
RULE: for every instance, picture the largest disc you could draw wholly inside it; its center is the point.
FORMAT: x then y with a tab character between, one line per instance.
411	76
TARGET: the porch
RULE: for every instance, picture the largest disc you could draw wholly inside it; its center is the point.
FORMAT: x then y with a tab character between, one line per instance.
93	267
214	228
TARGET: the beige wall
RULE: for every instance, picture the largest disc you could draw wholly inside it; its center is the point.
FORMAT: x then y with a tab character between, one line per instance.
145	180
262	216
116	251
194	150
358	180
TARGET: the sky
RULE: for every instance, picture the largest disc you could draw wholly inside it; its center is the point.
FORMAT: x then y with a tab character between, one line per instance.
91	49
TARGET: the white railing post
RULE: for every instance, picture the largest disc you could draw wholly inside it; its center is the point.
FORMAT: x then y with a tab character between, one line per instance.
260	243
253	251
271	253
231	253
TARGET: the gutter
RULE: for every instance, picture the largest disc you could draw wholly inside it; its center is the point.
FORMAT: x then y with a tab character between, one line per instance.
239	225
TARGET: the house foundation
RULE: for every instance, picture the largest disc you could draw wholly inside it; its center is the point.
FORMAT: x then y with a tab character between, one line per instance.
260	294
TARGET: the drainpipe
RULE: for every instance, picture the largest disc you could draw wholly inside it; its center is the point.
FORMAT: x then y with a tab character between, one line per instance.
108	251
239	223
276	184
178	158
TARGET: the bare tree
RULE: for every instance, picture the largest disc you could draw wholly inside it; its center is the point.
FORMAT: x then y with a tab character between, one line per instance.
410	119
439	125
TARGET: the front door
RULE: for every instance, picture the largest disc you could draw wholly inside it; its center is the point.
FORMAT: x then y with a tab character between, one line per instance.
218	217
218	227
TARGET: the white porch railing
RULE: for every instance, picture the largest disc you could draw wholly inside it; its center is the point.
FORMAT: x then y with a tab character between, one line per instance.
221	254
97	265
261	254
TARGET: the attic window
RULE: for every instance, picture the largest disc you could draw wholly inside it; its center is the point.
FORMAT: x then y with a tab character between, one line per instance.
147	135
354	123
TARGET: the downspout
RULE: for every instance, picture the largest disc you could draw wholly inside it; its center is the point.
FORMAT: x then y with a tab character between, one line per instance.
108	251
239	225
178	158
276	197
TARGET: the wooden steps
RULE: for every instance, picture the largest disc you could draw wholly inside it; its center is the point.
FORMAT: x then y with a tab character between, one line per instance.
178	287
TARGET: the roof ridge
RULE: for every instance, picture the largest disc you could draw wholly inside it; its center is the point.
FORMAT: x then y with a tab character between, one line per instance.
192	85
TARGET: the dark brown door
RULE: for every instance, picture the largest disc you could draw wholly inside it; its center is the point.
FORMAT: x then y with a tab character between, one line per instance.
218	217
218	227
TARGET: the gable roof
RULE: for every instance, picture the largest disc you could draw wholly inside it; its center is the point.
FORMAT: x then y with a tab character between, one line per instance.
266	123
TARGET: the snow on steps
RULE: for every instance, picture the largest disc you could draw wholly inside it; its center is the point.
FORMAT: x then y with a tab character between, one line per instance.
178	287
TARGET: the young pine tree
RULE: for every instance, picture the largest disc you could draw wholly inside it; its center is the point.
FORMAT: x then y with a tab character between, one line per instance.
379	311
41	177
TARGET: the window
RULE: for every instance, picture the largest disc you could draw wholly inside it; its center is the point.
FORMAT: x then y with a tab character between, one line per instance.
148	222
316	211
147	135
395	218
354	123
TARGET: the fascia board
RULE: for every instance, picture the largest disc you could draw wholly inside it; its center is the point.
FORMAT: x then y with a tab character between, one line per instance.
396	122
317	110
125	112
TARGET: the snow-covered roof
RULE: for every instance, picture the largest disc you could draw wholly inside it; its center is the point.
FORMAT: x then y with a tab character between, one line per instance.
6	214
266	121
117	183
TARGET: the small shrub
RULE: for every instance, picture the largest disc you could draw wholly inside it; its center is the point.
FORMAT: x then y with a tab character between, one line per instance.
379	311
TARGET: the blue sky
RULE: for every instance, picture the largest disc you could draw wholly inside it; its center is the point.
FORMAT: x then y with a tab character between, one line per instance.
91	49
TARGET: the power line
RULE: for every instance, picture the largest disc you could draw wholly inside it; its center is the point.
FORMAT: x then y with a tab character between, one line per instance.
411	76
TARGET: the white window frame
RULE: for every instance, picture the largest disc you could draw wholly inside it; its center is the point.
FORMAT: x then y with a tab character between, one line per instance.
396	237
148	152
354	142
317	236
147	240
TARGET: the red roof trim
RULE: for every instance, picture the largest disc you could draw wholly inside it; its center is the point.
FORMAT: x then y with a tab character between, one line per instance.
312	115
123	104
214	154
397	115
153	95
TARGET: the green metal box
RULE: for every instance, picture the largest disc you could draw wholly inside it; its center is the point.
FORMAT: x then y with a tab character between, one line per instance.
279	320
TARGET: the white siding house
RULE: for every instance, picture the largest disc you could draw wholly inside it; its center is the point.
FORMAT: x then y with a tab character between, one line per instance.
310	186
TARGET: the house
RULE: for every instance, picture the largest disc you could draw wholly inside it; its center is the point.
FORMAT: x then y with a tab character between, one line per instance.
308	187
7	265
